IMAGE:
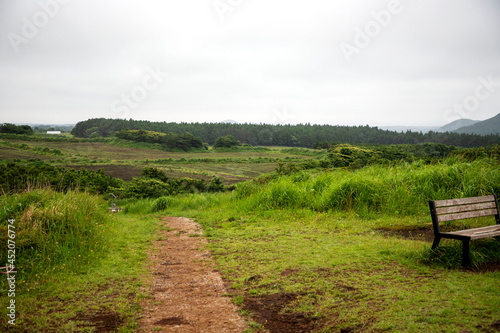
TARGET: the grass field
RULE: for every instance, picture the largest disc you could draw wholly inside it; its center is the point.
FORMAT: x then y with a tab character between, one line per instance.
313	251
305	271
126	162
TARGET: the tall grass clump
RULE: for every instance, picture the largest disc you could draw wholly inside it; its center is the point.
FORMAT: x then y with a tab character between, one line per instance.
357	194
136	206
160	204
398	190
185	202
458	180
449	255
54	231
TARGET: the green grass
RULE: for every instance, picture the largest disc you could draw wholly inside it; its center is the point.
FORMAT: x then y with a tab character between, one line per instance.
398	190
103	283
53	230
342	270
345	273
314	235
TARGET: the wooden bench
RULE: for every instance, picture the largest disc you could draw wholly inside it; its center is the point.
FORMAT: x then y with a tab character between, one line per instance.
459	209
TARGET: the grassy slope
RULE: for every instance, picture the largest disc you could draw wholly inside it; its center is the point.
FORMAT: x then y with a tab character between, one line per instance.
99	289
342	272
336	268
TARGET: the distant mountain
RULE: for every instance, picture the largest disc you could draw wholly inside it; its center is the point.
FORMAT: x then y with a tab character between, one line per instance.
454	125
485	127
229	121
423	129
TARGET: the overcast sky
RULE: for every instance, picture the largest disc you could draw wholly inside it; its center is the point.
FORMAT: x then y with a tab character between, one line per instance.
425	62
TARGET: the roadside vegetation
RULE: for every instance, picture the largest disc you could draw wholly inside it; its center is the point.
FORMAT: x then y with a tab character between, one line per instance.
78	268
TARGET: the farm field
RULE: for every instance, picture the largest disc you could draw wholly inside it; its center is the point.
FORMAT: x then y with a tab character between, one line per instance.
301	248
127	162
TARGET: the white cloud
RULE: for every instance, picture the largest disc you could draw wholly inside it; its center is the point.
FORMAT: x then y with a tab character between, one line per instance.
263	55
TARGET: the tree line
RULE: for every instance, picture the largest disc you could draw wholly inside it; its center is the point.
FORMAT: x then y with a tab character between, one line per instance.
301	135
15	129
184	141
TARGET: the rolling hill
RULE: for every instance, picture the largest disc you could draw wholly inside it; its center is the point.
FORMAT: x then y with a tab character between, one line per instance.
485	127
455	125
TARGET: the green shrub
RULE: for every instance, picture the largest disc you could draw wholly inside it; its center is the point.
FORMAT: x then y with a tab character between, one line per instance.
146	188
160	204
154	173
215	185
227	141
17	177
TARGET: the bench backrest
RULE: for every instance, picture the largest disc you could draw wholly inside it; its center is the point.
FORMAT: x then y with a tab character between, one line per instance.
466	208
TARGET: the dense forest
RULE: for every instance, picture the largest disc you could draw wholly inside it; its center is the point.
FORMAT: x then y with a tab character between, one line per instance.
184	141
14	129
302	135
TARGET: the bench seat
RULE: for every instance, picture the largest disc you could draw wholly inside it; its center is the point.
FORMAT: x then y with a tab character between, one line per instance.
476	233
466	208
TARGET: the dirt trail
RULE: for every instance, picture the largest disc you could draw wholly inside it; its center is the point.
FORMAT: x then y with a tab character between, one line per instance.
187	290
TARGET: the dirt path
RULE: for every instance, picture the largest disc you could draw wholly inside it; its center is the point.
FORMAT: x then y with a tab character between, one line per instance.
187	290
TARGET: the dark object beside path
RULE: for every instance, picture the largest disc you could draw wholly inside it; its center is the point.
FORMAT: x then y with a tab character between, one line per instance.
459	209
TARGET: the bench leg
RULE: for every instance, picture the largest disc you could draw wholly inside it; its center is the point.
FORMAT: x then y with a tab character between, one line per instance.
435	244
465	254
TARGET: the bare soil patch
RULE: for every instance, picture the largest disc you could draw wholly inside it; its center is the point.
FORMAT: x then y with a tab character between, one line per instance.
12	153
103	320
187	291
425	234
125	172
267	311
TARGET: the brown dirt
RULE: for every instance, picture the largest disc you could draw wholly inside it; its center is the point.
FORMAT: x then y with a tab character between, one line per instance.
12	153
100	321
267	310
417	233
187	291
125	172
